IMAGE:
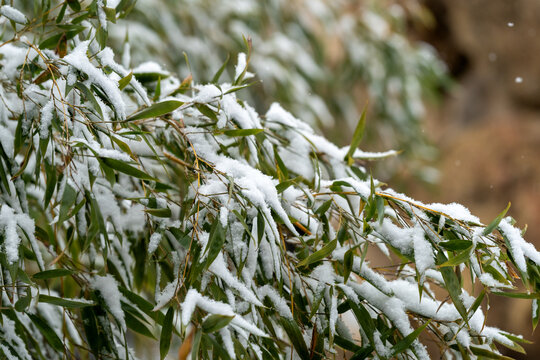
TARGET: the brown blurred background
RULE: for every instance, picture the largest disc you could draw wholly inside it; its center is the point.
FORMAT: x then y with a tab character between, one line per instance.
488	125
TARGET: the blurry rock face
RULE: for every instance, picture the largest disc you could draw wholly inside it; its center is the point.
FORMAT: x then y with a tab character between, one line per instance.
488	129
501	39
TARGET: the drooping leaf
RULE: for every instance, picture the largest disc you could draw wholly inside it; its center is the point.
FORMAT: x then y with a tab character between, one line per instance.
166	333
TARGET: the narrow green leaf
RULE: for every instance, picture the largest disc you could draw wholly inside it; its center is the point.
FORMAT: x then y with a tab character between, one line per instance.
517	295
216	322
357	136
164	212
134	324
74	5
406	342
206	111
242	132
126	169
215	242
363	318
68	200
485	353
216	77
348	259
50	274
461	257
477	303
157	110
47	332
324	207
496	221
123	82
295	336
166	333
346	344
452	285
456	245
319	254
73	304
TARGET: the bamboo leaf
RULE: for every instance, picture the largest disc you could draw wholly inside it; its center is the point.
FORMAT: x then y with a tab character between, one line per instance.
242	132
452	286
319	254
496	221
73	304
166	333
406	342
295	336
123	82
357	136
126	169
216	322
47	332
51	274
157	110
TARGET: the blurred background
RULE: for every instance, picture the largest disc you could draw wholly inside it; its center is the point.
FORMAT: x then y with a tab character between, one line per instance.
487	126
454	84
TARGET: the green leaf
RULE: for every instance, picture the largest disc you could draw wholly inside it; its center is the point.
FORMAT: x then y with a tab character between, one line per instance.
216	77
242	132
216	322
206	111
452	285
459	258
68	200
456	245
134	324
346	344
163	212
143	305
73	304
47	332
23	302
319	254
347	264
406	342
74	5
476	303
123	82
324	207
517	295
357	136
215	242
126	169
50	274
496	221
157	110
166	333
485	353
363	318
295	336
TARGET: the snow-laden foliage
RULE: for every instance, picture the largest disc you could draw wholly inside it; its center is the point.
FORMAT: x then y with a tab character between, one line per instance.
322	59
134	205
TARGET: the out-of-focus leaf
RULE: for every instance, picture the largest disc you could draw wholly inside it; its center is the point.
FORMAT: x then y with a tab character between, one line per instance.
166	333
215	322
50	274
